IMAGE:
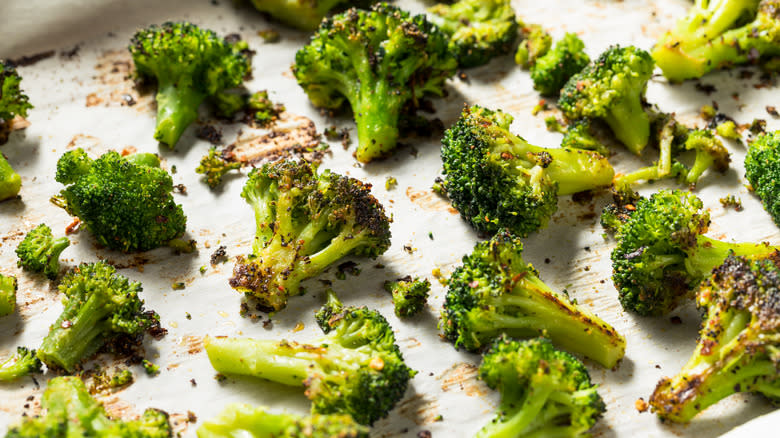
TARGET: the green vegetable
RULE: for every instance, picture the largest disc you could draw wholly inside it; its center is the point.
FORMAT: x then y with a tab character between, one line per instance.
303	15
214	167
13	101
409	295
535	42
579	135
22	364
8	287
551	71
10	181
762	170
40	251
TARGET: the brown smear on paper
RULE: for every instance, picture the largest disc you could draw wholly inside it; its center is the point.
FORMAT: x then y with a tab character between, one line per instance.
290	136
114	83
463	376
419	409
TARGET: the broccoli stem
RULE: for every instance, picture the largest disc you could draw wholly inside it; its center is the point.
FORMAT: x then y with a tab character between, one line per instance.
144	159
10	181
578	170
21	364
177	108
516	418
710	253
376	116
629	122
7	295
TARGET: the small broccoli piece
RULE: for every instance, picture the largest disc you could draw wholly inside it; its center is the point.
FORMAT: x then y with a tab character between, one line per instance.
10	181
495	292
551	71
257	422
535	42
612	89
40	251
303	15
479	30
8	287
737	349
762	170
264	111
13	101
728	129
99	305
228	104
126	202
214	167
189	64
622	207
496	179
305	222
150	368
409	295
379	61
717	35
356	369
579	135
22	364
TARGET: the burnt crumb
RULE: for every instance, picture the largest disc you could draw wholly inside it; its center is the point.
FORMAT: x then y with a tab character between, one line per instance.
157	331
424	434
582	197
191	417
24	61
348	267
758	126
705	88
180	188
269	35
219	256
193	383
547	261
232	38
268	324
587	248
210	134
128	99
746	74
219	377
409	249
676	320
326	283
70	53
463	77
772	111
732	201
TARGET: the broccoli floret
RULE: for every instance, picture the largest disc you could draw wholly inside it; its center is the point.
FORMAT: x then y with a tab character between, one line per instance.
10	181
762	170
728	129
544	392
379	61
22	364
738	348
356	369
662	254
69	411
496	179
479	30
306	221
150	368
8	287
263	110
495	292
551	71
40	251
303	15
535	42
622	207
719	34
189	64
612	89
257	422
99	304
579	135
409	295
214	167
126	202
13	102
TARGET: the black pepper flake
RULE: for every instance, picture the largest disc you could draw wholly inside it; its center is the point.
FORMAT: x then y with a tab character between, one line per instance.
676	320
193	382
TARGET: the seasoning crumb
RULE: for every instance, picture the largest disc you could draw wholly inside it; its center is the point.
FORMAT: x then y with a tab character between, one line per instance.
676	320
220	255
298	327
424	434
179	285
193	382
269	35
772	111
391	183
641	405
732	201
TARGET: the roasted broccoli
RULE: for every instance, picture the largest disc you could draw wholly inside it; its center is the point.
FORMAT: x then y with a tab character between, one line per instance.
189	64
40	251
495	292
551	71
306	221
126	202
301	14
69	411
257	422
409	295
579	135
479	30
719	34
13	102
662	254
622	207
379	61
612	88
263	111
496	179
762	170
213	167
534	43
738	348
23	363
8	286
356	369
10	181
99	305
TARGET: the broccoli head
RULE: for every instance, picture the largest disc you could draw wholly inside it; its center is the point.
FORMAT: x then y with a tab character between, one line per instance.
535	42
544	392
738	348
612	89
719	34
496	292
409	295
189	64
10	181
551	71
8	287
40	251
356	369
13	101
379	61
306	221
214	167
126	202
25	362
762	170
496	179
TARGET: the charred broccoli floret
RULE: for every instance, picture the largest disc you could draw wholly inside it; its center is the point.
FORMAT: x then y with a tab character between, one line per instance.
738	349
534	43
214	166
496	179
10	181
551	71
379	61
409	295
579	135
189	64
622	207
762	170
8	286
13	101
23	363
306	221
40	251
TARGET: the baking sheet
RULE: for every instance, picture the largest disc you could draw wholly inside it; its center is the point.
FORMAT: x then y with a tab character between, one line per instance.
80	102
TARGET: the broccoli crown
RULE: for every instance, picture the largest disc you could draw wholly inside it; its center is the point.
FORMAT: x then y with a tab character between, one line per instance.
189	64
717	35
126	202
10	181
551	71
496	179
379	61
496	292
709	151
738	348
13	101
479	30
544	392
535	43
214	167
409	295
612	88
40	251
579	135
762	170
99	304
303	15
23	363
8	287
306	221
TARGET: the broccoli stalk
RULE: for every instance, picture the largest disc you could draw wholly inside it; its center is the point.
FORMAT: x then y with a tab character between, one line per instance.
40	251
8	287
409	295
10	181
551	71
214	167
762	170
22	364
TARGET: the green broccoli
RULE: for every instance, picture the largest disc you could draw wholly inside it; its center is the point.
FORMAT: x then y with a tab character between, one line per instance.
544	392
301	14
69	411
8	287
719	34
738	348
535	42
263	111
40	251
612	89
495	292
126	202
762	170
257	422
356	369
579	135
496	179
189	64
22	364
622	207
551	71
305	222
10	181
99	305
409	295
379	61
214	167
479	30
13	102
